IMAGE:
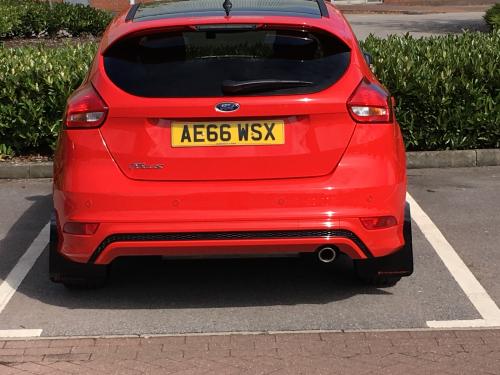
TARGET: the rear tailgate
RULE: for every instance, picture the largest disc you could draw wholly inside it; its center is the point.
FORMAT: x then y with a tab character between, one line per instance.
163	90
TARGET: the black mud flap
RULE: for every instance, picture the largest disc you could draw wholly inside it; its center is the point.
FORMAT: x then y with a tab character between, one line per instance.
63	270
398	264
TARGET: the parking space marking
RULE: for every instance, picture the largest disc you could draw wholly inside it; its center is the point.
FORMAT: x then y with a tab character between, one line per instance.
478	296
474	323
19	333
23	266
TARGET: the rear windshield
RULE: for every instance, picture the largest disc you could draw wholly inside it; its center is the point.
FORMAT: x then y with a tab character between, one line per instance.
216	62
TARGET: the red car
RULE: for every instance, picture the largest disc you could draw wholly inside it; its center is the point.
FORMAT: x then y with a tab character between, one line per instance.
210	128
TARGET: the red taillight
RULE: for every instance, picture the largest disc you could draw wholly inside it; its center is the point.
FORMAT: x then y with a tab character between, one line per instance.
85	109
370	103
80	228
378	222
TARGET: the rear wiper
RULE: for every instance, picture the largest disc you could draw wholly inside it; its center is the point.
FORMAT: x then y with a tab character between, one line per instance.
259	85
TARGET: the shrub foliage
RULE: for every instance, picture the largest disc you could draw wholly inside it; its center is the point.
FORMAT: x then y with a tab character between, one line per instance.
35	84
447	90
492	17
32	18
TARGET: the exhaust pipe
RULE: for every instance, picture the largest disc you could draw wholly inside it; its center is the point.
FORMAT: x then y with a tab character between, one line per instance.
327	254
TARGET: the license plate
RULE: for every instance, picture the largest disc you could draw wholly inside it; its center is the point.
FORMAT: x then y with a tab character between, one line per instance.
228	133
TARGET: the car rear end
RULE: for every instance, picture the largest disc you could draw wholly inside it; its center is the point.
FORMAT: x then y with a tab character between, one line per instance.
261	132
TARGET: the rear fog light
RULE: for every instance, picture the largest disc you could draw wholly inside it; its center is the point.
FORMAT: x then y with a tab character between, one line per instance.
80	228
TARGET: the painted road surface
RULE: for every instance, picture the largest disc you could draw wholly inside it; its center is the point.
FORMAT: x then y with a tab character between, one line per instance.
279	294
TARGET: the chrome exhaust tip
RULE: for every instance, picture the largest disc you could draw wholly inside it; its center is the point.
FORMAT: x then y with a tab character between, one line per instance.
327	254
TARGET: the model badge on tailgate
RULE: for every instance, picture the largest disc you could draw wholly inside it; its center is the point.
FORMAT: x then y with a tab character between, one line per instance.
140	165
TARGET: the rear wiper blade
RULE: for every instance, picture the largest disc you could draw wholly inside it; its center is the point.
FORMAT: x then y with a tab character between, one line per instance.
259	85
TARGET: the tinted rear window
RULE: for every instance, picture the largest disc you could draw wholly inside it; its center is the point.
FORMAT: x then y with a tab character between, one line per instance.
196	63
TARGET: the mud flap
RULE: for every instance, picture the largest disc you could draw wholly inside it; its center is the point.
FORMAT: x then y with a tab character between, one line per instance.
63	270
398	264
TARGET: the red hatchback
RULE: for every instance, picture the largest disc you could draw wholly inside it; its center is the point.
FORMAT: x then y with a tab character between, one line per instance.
209	128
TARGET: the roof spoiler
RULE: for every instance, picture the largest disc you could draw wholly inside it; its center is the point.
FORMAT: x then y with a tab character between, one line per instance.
227	5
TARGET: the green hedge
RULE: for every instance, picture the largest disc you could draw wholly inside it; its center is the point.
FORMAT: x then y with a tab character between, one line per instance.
35	84
32	18
447	90
492	17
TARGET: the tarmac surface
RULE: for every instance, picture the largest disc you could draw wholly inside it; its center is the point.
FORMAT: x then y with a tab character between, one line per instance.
329	321
260	295
417	25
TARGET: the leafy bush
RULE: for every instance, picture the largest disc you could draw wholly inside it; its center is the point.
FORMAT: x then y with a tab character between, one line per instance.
447	88
5	150
35	84
30	18
492	17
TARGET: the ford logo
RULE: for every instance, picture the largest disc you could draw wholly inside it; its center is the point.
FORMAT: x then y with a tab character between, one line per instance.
227	107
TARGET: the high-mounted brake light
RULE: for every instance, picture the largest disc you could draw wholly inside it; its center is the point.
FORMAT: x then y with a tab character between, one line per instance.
85	109
370	103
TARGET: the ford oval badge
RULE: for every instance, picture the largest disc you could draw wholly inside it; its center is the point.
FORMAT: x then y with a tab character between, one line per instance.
227	107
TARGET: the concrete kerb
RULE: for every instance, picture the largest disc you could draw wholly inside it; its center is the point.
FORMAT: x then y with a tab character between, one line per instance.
453	159
26	170
253	333
415	160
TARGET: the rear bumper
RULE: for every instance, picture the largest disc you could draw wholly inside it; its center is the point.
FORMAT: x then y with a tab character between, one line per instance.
369	181
122	240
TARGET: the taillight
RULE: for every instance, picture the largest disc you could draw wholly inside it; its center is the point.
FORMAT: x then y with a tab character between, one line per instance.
370	103
85	109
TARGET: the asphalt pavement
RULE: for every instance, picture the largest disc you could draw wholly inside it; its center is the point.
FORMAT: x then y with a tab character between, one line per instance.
465	204
418	25
279	294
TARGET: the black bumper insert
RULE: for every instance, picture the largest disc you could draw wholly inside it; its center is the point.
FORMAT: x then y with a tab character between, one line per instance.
193	236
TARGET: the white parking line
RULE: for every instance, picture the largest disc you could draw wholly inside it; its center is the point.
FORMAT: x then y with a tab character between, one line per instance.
478	296
17	275
18	333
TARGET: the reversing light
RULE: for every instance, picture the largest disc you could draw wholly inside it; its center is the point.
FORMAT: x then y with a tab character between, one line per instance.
85	109
378	222
80	228
370	103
